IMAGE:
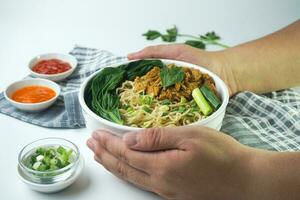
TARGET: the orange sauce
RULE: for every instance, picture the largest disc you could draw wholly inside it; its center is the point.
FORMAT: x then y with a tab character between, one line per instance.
33	94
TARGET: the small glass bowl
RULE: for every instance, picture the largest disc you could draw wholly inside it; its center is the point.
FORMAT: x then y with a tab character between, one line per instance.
48	177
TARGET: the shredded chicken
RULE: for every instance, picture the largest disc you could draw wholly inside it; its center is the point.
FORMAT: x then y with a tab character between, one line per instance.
151	84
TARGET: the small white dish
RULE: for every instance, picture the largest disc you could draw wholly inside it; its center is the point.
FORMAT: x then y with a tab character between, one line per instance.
31	107
54	77
54	187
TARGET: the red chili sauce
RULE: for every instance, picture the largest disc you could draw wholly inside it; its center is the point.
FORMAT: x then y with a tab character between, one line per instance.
52	66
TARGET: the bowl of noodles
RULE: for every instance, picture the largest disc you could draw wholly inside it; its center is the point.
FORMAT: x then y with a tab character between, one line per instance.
139	94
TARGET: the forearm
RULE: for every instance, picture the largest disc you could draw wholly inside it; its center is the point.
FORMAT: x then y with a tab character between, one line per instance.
274	175
267	64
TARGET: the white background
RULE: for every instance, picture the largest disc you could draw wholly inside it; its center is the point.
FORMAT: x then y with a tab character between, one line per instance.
31	27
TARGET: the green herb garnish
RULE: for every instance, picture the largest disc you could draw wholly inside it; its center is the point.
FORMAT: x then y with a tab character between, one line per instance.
195	43
171	76
152	35
201	41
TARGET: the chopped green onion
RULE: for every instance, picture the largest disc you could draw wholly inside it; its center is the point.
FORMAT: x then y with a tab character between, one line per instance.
166	102
181	109
183	100
204	106
147	109
129	109
164	108
164	114
50	158
43	167
146	99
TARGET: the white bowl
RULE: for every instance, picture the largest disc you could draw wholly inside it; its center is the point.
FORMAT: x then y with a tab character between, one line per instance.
31	107
54	77
55	187
93	121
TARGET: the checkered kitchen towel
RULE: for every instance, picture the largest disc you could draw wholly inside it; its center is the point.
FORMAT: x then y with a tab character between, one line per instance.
270	121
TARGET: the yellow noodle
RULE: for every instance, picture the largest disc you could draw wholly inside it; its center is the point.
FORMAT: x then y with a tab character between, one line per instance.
134	113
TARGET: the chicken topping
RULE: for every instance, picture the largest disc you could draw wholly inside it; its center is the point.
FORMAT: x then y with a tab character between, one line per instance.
150	83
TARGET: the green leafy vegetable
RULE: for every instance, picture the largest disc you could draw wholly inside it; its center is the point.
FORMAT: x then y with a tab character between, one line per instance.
139	68
105	101
201	102
100	94
171	76
171	35
210	96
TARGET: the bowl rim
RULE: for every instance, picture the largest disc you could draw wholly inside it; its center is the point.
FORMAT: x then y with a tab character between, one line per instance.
57	91
78	155
54	55
84	106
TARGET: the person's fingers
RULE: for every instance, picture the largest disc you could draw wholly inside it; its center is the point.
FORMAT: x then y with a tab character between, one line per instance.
155	139
158	51
90	144
120	168
143	161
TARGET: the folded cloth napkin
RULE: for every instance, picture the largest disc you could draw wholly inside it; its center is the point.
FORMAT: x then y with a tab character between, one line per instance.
270	121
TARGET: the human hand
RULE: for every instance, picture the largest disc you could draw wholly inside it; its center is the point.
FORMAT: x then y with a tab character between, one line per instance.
176	163
214	61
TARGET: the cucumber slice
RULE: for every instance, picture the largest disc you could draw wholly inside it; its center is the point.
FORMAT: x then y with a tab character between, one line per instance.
204	106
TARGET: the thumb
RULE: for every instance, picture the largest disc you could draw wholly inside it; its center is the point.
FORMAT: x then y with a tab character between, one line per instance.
154	139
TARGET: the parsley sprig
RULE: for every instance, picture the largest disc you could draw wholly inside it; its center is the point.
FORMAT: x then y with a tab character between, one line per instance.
201	41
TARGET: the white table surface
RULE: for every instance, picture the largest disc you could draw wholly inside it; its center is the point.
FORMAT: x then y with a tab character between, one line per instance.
31	27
